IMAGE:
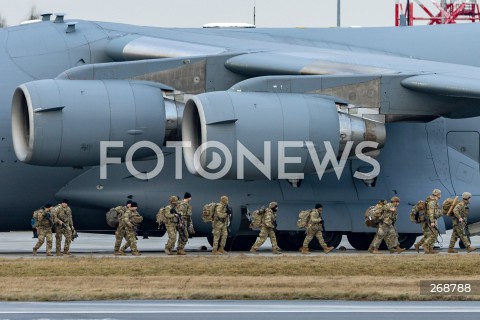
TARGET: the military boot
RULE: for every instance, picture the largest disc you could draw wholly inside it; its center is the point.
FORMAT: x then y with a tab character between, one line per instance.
391	250
119	253
136	253
222	251
451	250
67	253
34	251
181	252
305	250
431	251
49	254
328	249
59	253
417	247
168	251
370	249
215	252
470	249
399	250
375	251
276	251
253	250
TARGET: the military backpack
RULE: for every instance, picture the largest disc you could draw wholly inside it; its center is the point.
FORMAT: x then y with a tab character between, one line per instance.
256	218
208	212
448	205
112	218
303	219
417	214
373	214
161	216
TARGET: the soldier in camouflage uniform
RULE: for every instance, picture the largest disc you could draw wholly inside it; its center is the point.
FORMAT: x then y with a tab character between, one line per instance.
459	220
171	222
185	225
44	220
386	229
120	211
267	229
423	224
126	228
314	229
221	220
433	213
63	226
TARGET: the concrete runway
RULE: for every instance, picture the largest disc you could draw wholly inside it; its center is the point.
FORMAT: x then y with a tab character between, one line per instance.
233	310
20	244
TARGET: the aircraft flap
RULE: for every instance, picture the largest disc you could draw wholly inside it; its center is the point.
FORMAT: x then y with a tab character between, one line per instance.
445	85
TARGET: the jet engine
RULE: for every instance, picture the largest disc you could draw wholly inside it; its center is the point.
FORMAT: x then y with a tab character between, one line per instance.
266	128
61	122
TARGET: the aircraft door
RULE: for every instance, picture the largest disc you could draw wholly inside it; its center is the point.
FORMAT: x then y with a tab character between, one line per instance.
463	157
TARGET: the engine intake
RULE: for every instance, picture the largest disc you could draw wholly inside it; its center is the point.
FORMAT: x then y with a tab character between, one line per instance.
61	122
252	118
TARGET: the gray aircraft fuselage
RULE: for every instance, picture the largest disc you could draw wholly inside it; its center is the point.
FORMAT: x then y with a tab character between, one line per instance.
418	156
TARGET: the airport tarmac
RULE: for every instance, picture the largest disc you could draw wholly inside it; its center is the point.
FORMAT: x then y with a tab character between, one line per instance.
20	244
233	310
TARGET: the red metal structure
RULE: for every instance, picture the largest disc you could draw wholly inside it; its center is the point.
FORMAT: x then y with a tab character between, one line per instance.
449	11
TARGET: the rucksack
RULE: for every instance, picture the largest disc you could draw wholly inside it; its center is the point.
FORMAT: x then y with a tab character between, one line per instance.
417	214
448	205
112	218
303	219
257	218
161	217
208	212
373	214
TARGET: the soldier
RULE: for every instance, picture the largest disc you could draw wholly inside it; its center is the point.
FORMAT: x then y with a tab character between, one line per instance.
314	229
126	228
171	222
386	229
120	211
63	226
423	224
432	214
459	220
185	225
221	220
44	220
267	229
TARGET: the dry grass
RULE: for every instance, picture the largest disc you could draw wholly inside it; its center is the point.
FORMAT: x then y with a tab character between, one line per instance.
359	277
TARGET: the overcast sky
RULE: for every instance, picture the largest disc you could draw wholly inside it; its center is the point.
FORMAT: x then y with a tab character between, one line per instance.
195	13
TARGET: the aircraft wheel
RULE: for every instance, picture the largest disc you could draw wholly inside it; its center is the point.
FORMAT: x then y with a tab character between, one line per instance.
362	241
290	240
332	238
462	245
238	243
406	240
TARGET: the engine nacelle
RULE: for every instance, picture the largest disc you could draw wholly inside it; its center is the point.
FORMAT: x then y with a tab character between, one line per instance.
61	122
251	118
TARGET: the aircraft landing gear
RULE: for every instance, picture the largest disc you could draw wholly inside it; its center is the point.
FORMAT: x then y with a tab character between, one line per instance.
237	243
361	241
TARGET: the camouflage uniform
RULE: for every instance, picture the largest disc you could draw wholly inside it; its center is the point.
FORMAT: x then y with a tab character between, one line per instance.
386	230
314	229
44	229
424	225
460	212
63	226
171	222
126	229
185	211
267	229
433	213
220	223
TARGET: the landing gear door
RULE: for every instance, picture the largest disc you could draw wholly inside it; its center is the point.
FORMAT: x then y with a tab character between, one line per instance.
463	157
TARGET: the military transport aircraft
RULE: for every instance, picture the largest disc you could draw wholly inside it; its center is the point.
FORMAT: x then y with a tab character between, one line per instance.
279	102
